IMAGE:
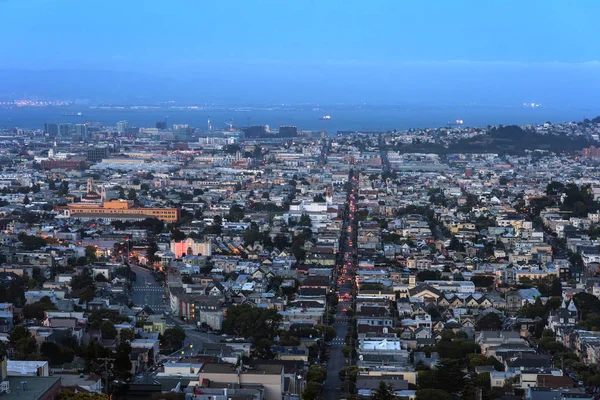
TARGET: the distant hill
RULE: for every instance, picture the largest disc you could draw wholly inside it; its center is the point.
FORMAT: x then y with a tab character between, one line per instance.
515	140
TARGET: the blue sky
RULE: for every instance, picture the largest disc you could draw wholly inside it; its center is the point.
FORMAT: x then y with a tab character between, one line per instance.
305	50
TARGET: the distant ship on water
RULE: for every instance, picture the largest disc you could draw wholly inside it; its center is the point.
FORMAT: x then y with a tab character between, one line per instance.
458	122
73	114
325	117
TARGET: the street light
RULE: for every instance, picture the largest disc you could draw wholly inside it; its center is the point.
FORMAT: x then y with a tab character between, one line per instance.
191	367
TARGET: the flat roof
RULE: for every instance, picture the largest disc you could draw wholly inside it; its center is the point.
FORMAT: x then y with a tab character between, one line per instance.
214	368
24	367
37	387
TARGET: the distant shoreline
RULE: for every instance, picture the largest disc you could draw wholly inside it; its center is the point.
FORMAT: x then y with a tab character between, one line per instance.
343	118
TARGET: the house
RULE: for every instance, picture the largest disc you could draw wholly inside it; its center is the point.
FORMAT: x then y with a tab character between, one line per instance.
513	301
143	314
271	377
565	316
548	393
297	353
154	324
208	311
149	345
486	339
77	383
425	292
423	333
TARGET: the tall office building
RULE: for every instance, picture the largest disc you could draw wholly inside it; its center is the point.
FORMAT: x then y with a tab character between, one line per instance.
122	126
64	129
81	130
97	153
288	131
51	129
161	125
182	132
256	131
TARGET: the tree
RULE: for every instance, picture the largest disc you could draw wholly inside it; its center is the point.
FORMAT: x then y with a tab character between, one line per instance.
456	245
92	353
132	195
316	373
280	242
36	310
311	390
247	321
15	293
298	242
556	287
262	349
217	220
327	331
177	235
26	200
87	294
489	322
152	224
554	188
56	354
108	330
82	286
90	254
63	190
428	275
449	376
66	394
31	242
305	220
483	281
236	213
126	334
251	236
433	394
319	198
231	148
19	332
383	392
151	251
536	309
122	362
586	303
174	337
25	346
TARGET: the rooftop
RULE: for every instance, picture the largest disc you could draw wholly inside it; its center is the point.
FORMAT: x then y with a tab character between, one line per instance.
36	387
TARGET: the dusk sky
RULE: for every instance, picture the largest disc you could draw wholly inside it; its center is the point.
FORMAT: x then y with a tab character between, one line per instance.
387	51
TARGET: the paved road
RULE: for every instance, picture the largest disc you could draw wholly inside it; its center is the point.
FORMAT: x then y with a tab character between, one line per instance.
331	387
146	291
192	335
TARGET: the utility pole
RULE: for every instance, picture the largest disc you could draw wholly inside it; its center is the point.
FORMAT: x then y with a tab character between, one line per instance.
106	362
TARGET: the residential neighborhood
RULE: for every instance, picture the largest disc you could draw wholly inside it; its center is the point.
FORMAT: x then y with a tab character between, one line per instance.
173	261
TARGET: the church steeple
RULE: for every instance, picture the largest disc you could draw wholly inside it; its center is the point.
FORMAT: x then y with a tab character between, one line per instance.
329	195
572	307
